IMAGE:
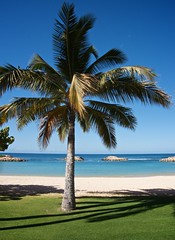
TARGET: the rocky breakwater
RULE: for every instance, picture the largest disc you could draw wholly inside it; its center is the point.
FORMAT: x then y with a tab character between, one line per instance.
7	158
114	158
168	159
78	158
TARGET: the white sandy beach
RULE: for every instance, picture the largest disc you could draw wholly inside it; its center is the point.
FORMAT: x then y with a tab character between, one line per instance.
154	185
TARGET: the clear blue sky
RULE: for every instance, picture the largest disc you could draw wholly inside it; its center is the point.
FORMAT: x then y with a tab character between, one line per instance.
143	30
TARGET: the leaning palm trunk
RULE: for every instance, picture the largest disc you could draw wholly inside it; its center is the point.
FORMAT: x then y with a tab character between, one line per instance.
68	202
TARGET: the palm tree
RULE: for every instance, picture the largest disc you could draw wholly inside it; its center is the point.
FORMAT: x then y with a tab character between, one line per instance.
78	90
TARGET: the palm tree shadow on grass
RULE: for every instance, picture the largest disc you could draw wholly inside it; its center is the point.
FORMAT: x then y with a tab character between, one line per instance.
140	192
17	192
94	209
132	205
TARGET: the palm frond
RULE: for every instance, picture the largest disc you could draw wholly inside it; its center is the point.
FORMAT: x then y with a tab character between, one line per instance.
9	78
67	16
46	128
82	84
135	72
70	42
92	51
53	78
109	59
62	130
121	115
104	125
6	69
129	89
52	120
40	82
38	64
26	110
12	77
82	49
3	119
140	71
84	57
83	121
62	39
9	111
76	94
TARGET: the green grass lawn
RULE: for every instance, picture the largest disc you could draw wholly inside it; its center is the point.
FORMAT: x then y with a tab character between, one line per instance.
39	218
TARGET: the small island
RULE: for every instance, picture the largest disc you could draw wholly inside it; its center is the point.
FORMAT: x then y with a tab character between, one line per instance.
78	158
114	158
8	158
168	159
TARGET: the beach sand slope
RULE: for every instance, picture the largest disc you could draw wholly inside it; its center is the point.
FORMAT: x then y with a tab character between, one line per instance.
90	186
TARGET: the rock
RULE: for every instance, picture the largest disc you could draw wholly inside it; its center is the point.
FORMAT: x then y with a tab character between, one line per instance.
169	159
7	158
78	158
114	158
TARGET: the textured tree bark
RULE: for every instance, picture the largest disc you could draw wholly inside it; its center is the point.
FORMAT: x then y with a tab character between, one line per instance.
68	201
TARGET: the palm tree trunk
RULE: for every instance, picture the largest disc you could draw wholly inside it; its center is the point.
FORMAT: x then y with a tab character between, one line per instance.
68	202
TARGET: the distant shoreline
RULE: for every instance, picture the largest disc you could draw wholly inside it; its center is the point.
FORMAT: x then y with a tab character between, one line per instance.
93	176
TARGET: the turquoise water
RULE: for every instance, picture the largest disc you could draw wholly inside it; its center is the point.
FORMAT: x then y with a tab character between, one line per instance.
54	165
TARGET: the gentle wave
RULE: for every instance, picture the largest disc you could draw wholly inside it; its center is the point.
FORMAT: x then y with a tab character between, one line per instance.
142	159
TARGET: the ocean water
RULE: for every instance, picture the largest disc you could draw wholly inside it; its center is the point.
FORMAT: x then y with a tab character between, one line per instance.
54	165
